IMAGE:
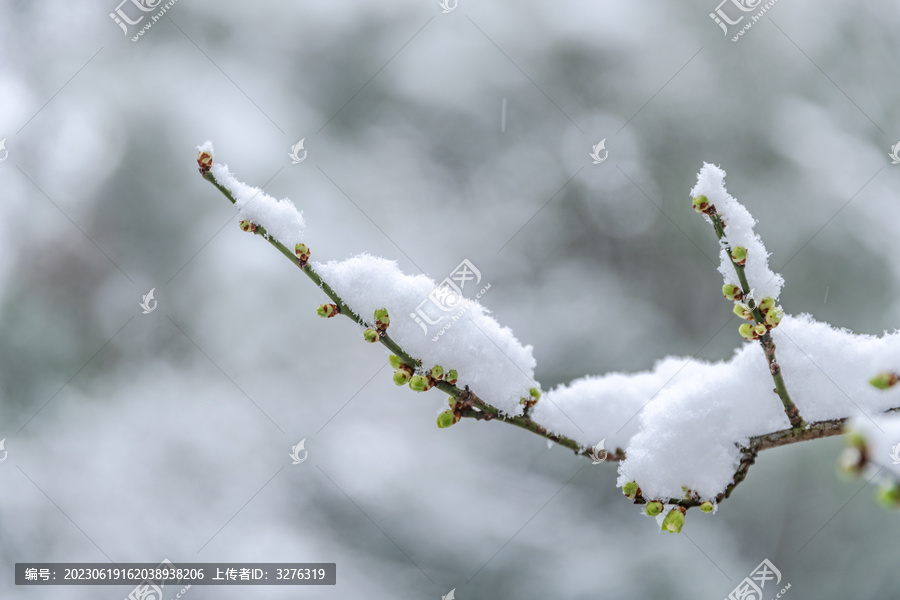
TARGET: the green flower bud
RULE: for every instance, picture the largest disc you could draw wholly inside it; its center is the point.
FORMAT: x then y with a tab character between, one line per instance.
674	521
631	490
401	377
419	383
885	380
247	226
446	419
739	255
328	310
707	507
774	316
395	361
382	319
451	377
766	304
747	331
743	311
732	292
301	250
535	394
888	495
653	508
371	335
437	372
701	204
760	330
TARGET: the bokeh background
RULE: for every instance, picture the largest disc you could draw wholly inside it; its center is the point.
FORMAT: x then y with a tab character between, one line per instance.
137	437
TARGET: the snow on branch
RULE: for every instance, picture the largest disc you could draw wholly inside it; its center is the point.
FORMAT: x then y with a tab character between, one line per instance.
690	429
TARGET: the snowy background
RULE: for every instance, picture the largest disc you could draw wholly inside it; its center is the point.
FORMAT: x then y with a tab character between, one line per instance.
137	437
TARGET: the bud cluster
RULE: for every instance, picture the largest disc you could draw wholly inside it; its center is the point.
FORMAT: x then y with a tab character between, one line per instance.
771	314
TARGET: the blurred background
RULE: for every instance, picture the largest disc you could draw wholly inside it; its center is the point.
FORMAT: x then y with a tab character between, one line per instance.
134	438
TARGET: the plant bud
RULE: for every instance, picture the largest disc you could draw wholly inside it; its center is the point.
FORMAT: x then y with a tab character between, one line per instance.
701	204
446	419
743	311
707	507
732	292
395	361
535	394
766	304
247	226
382	319
451	377
204	161
739	255
888	495
653	508
884	380
420	383
437	372
747	331
674	521
401	377
857	440
371	335
631	490
851	463
302	250
328	310
774	316
760	330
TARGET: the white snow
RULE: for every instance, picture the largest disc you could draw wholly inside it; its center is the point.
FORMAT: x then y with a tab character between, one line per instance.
488	357
739	225
280	218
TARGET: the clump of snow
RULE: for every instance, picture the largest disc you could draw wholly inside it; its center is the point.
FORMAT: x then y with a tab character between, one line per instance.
280	218
739	225
593	408
692	417
489	358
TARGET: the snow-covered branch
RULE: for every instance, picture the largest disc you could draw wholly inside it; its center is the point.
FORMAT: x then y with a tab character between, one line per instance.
685	433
